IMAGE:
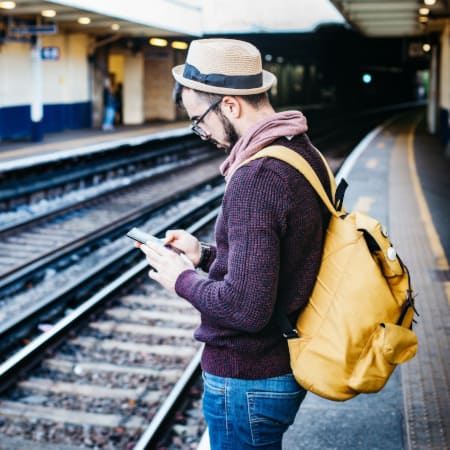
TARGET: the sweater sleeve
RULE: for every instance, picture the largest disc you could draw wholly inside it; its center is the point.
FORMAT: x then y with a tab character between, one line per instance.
254	213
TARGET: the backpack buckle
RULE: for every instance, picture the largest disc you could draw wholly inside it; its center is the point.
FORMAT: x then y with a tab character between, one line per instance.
292	334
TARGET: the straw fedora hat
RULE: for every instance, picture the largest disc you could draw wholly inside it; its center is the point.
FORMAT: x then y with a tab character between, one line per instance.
224	66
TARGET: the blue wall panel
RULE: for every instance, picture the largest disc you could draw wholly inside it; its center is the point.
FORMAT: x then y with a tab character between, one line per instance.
80	116
15	121
53	119
67	117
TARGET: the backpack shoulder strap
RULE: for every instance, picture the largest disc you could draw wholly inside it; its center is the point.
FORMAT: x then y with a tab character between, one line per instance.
298	162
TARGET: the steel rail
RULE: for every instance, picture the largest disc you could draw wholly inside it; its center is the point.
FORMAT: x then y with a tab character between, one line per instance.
159	422
77	287
86	169
37	218
29	355
42	260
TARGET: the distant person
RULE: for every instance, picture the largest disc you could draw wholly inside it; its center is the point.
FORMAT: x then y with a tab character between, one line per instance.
269	237
109	105
119	103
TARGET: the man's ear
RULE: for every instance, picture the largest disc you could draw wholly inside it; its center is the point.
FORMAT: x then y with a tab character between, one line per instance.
231	107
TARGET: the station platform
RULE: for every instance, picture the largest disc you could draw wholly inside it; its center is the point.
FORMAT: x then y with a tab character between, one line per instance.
16	153
398	174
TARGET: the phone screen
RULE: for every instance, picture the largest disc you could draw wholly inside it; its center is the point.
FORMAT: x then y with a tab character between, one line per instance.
143	237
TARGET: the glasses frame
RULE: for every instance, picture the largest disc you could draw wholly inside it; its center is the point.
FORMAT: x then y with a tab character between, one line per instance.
195	126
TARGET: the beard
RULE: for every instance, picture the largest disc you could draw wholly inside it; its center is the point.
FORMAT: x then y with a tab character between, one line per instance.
230	133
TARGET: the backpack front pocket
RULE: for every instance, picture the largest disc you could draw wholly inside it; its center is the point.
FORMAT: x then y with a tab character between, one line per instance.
388	346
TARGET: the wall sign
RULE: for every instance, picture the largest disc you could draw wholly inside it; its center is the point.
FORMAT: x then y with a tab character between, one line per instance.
50	53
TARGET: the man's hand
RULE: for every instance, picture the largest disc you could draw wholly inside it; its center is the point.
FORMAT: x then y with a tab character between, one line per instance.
185	242
166	264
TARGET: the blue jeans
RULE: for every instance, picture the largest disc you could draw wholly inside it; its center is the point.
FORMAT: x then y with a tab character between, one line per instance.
249	414
108	119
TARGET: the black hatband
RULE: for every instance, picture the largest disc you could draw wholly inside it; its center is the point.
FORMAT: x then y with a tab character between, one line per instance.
220	80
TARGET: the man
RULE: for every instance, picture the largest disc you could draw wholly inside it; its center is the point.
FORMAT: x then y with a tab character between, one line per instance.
269	237
109	106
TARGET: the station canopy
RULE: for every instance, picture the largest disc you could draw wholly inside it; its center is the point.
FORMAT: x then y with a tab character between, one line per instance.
177	17
395	18
100	17
195	18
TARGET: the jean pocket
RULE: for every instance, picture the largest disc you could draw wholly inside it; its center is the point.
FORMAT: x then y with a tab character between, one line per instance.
213	401
213	385
271	413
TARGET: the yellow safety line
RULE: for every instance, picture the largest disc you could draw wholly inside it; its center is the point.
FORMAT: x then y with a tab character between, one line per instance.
433	237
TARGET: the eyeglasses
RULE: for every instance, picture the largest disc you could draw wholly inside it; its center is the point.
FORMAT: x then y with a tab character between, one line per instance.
195	126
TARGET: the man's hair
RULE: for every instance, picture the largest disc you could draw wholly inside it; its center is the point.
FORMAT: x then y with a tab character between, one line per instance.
255	99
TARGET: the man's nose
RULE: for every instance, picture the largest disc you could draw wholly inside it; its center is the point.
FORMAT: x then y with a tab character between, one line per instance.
205	136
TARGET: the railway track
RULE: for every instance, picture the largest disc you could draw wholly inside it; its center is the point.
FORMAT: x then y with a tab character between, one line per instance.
40	180
110	372
26	313
35	243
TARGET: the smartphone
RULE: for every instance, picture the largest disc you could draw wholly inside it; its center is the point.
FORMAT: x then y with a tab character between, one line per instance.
143	237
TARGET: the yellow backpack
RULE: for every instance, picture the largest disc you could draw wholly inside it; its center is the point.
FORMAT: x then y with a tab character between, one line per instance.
357	325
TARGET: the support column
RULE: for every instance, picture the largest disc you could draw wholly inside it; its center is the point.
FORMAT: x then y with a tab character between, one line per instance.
37	109
444	91
433	94
133	89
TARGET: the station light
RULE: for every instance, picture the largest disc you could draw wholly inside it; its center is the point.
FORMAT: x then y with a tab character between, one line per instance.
7	5
48	13
367	78
268	57
179	45
84	20
158	42
115	27
423	19
426	47
424	11
429	2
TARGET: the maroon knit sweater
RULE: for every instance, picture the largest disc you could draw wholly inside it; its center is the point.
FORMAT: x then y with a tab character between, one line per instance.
269	238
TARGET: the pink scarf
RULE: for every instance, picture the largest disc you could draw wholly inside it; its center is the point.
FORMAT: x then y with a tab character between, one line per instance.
287	123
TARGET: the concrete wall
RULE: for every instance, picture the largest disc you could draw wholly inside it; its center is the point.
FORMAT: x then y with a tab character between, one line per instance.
15	85
63	86
64	80
158	85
